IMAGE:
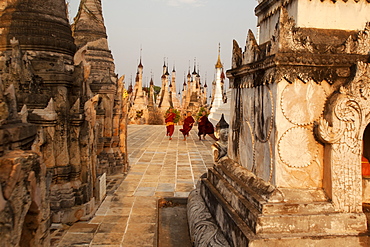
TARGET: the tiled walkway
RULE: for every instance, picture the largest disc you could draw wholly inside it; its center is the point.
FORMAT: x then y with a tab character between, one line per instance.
159	168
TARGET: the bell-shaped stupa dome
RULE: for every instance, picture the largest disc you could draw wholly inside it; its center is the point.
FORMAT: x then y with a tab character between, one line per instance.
37	25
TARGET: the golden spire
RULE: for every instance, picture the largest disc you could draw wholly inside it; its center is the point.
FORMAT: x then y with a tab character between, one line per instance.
219	64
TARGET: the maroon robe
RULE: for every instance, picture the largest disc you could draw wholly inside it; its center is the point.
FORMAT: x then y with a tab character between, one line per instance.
205	126
170	124
188	124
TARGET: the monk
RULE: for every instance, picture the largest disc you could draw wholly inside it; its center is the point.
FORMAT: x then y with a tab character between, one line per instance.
170	125
188	124
205	127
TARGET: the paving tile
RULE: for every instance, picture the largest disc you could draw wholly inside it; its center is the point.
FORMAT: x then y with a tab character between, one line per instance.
184	187
114	228
148	184
97	220
81	227
181	194
164	194
187	176
144	211
106	245
167	179
139	219
142	240
108	238
70	239
166	187
144	193
159	168
118	211
113	219
141	228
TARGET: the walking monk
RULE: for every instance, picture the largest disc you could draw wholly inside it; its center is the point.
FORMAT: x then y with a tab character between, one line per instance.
170	125
188	124
205	127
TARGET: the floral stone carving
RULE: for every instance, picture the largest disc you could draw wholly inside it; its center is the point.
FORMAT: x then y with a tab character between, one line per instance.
310	105
342	129
305	147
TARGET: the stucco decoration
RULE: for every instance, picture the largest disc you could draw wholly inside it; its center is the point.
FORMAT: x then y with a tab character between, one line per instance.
298	147
246	147
342	128
360	44
308	108
252	50
203	229
263	160
264	114
287	37
237	55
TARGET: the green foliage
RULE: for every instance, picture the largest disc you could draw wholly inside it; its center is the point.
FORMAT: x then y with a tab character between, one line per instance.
157	90
199	114
177	112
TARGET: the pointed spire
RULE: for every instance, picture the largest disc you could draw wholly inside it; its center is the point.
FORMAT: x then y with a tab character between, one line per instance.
205	81
219	64
140	64
167	71
195	66
89	20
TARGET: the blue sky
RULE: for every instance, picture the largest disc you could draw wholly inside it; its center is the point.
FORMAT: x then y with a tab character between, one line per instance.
177	30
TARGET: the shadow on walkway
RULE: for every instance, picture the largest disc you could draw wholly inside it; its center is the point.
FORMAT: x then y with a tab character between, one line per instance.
129	215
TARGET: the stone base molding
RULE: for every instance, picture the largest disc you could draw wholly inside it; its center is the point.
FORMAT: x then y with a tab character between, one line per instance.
234	204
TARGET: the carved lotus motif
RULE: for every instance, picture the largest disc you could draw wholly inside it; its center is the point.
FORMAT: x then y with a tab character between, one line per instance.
298	147
302	103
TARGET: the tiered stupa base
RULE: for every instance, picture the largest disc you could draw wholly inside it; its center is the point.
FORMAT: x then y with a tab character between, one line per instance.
251	212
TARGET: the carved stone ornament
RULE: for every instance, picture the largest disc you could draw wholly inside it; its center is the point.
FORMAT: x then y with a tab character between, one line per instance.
359	44
298	147
342	127
264	114
302	103
287	36
252	50
237	55
203	229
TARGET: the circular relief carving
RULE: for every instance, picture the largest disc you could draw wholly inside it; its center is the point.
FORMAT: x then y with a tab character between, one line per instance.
246	146
263	160
263	113
298	147
302	103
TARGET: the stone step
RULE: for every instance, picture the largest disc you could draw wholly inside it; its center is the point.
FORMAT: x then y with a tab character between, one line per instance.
283	230
321	223
309	240
263	217
293	201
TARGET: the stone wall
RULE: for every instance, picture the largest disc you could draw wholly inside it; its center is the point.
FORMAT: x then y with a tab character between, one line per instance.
24	207
300	107
67	108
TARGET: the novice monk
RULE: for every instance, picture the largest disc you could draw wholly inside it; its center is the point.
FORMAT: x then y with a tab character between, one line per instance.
205	127
188	124
170	117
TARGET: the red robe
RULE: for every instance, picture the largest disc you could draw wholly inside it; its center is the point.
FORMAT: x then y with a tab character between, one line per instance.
169	123
205	126
188	124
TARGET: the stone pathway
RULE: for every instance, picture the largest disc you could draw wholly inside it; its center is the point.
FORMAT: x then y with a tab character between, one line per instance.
159	168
